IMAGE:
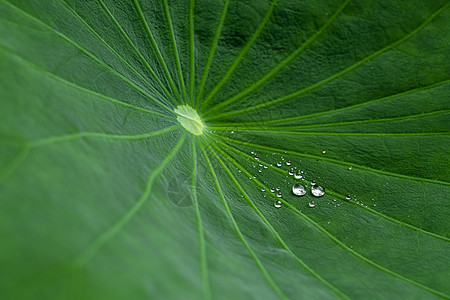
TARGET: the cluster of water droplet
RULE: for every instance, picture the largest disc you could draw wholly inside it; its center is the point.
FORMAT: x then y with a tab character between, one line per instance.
299	184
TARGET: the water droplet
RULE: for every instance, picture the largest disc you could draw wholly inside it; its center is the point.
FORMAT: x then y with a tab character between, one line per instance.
279	195
265	167
259	171
272	190
324	151
298	176
232	131
288	163
328	222
312	204
263	190
256	157
348	197
278	164
278	204
278	188
317	191
350	168
298	190
291	173
374	204
253	152
313	182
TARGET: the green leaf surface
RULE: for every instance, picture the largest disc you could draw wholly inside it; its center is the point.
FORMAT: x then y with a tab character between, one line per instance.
113	187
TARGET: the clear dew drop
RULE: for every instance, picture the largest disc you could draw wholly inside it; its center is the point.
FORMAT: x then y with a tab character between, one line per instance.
291	173
272	190
232	131
298	190
348	197
263	190
278	164
288	163
350	168
278	204
278	188
298	176
279	195
312	204
313	182
317	191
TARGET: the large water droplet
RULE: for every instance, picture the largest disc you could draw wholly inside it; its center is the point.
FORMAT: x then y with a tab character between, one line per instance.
298	190
317	191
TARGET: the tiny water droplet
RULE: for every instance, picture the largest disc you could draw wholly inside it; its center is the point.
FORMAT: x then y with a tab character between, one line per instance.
256	157
272	190
232	131
317	191
278	188
298	176
278	204
324	151
313	182
263	190
291	173
253	152
312	204
265	167
279	195
278	164
350	168
298	190
374	204
348	197
288	163
328	222
259	171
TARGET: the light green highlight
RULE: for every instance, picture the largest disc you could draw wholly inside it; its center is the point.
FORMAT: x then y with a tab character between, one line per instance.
189	119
